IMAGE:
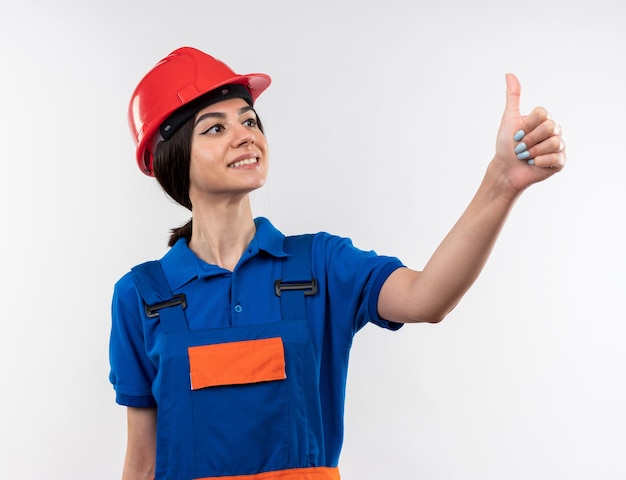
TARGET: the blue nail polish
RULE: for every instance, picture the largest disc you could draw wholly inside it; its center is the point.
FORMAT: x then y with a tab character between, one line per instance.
519	135
523	155
521	147
531	162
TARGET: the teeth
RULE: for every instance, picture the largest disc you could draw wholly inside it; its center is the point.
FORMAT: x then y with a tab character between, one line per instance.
247	161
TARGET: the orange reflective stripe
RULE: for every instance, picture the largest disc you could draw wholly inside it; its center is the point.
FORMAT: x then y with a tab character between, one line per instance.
237	363
313	473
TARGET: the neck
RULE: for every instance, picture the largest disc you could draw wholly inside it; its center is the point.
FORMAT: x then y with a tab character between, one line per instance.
221	233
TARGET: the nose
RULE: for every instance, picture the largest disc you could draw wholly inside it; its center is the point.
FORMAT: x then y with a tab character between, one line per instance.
243	137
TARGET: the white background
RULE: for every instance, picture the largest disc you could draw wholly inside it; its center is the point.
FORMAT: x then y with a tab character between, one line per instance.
382	118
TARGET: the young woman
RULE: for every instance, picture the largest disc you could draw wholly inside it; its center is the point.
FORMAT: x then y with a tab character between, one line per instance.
231	351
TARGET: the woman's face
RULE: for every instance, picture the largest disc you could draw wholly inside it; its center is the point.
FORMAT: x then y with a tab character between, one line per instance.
229	153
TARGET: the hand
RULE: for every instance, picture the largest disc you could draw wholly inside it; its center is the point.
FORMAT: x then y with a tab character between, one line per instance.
543	151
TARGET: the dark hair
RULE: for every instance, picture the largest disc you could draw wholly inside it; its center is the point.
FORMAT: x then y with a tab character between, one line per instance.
171	169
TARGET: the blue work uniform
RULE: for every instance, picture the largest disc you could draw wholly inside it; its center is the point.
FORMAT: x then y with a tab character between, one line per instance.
282	410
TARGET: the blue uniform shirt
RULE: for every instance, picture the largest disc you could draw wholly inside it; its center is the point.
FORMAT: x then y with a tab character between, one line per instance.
349	282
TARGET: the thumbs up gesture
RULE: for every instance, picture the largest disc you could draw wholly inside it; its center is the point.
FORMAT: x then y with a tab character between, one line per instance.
529	148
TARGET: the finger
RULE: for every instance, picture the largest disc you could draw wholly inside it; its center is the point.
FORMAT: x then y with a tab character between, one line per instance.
513	92
546	129
553	144
535	118
555	161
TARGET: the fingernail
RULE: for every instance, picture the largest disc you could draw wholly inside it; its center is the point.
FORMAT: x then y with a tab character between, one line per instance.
519	135
520	147
531	162
523	155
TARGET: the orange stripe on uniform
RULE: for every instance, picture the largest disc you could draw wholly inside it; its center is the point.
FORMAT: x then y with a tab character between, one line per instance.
235	363
313	473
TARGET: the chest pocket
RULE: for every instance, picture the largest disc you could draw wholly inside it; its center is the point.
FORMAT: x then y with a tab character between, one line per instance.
236	363
238	389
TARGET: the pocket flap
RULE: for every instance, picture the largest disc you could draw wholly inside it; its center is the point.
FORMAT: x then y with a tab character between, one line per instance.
236	363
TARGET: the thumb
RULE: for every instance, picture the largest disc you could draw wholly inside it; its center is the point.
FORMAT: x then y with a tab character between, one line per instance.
513	92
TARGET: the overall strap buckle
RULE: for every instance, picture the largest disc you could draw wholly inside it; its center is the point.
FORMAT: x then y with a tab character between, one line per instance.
153	310
310	287
297	280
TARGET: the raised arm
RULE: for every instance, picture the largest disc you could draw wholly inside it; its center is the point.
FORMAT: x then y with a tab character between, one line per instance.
529	149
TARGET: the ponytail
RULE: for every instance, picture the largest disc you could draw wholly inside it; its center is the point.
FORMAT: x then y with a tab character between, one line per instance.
171	169
177	233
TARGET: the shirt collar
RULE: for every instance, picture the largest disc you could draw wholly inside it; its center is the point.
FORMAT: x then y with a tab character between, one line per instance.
268	238
181	265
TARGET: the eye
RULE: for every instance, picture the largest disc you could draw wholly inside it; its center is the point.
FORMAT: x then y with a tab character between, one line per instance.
250	122
217	128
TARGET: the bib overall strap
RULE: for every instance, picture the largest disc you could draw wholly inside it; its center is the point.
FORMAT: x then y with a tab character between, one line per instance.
297	281
158	298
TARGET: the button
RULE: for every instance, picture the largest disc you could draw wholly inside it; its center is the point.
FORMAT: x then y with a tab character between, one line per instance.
238	308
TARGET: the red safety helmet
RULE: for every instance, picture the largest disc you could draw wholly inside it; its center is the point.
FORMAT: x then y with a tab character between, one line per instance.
182	76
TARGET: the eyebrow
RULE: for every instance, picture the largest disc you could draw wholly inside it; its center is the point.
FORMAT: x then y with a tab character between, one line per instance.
222	115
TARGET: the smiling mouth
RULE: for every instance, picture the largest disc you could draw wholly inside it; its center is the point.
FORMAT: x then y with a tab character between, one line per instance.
241	163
